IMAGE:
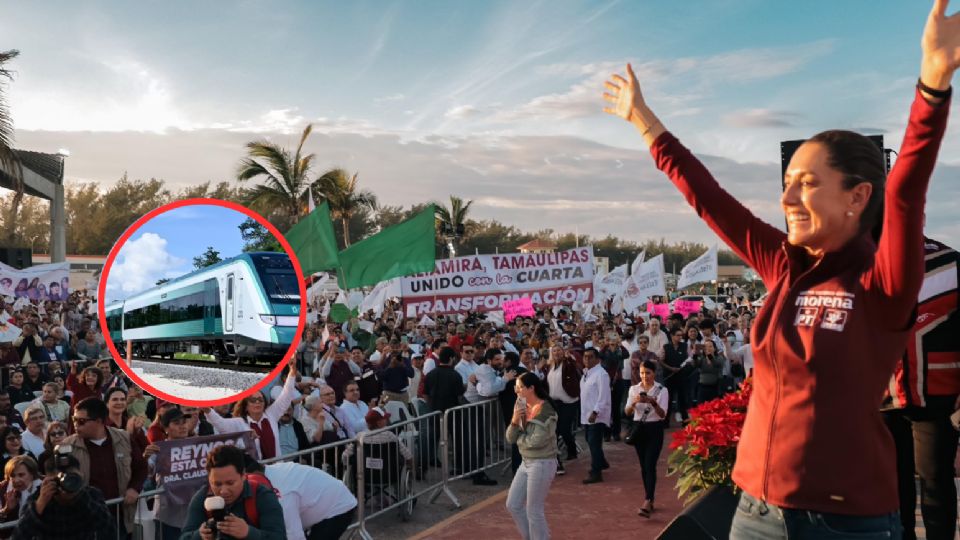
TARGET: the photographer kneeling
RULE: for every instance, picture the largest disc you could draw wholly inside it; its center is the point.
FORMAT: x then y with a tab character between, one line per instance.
65	506
233	505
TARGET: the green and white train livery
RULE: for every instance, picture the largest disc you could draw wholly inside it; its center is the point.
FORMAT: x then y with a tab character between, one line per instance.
244	308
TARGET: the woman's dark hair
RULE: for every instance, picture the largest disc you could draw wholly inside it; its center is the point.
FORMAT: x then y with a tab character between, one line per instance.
859	160
113	390
530	380
512	359
94	370
648	364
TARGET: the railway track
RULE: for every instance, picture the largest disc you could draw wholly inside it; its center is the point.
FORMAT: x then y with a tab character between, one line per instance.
261	367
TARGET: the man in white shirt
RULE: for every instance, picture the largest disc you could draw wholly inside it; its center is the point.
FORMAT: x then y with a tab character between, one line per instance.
414	387
354	408
595	406
430	363
467	368
36	421
310	498
489	384
658	339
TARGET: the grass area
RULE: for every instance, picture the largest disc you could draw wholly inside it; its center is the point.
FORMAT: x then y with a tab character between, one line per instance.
192	356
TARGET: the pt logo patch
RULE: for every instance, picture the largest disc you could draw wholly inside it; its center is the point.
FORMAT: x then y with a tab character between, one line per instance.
834	319
836	306
807	316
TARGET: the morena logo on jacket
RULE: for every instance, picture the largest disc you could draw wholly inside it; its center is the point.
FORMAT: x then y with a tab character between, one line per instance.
831	308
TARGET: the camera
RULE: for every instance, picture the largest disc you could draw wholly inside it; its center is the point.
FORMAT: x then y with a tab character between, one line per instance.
67	481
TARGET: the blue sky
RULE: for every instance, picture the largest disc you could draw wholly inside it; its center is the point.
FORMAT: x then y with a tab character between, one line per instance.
165	246
497	102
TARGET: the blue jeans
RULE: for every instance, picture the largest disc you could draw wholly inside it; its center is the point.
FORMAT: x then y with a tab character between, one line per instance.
528	493
594	435
756	520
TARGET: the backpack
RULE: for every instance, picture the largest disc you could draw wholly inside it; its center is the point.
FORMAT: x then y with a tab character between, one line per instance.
250	503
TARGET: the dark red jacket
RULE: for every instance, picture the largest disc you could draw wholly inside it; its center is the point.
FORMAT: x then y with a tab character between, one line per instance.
826	341
569	378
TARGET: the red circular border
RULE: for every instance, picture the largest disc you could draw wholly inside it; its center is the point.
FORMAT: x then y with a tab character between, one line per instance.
102	287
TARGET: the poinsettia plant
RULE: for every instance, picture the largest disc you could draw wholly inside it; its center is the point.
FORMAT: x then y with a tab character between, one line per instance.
703	452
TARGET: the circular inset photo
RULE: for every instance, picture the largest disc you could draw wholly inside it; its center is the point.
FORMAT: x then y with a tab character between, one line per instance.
203	301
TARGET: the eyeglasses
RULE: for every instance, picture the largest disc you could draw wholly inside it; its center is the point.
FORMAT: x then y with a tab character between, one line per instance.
58	433
81	421
468	351
255	400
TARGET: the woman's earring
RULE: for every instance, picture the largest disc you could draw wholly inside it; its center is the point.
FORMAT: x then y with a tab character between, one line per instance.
849	213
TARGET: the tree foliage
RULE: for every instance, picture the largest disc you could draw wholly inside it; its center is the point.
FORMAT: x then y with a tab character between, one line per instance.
209	257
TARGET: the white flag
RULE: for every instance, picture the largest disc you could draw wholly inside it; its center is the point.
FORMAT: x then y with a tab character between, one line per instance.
379	296
310	204
704	268
635	267
647	281
611	284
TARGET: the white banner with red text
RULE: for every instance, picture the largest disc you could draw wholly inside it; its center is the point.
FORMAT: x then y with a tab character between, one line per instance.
485	282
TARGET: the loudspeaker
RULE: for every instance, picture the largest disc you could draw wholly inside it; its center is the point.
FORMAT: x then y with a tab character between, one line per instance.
787	149
18	258
709	518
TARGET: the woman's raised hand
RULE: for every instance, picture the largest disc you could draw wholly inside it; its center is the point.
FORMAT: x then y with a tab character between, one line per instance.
941	47
623	93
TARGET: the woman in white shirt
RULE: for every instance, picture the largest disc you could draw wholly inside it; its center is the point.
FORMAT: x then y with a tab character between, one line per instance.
647	402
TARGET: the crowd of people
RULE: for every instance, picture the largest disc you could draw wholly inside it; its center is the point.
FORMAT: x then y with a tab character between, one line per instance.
66	409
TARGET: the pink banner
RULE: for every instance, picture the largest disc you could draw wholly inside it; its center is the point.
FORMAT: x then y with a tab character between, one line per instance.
521	307
686	307
663	310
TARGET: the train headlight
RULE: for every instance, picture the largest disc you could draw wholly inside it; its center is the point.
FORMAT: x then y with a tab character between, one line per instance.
269	319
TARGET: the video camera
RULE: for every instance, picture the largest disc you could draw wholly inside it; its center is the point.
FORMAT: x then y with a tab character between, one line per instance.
67	481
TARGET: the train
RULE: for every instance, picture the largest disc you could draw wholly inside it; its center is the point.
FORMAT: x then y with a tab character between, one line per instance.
243	309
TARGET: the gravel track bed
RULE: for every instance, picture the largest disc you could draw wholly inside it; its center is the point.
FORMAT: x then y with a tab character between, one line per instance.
196	383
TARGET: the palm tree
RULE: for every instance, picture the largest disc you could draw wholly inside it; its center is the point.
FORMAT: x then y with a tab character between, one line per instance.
340	191
452	222
9	161
284	190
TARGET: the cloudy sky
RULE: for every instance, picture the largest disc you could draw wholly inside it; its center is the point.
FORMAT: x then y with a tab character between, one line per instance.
492	101
165	246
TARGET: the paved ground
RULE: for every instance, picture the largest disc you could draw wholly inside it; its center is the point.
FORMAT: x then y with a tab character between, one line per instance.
603	511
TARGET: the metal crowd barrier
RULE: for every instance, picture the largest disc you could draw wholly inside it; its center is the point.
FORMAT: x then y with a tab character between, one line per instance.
470	433
448	446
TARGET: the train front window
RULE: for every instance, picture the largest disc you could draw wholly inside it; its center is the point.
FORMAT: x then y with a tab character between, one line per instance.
278	278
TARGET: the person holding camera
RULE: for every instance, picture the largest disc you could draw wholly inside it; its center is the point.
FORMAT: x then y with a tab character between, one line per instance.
647	403
709	361
233	505
65	507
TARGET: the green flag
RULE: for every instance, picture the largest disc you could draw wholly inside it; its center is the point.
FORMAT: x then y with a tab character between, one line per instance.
340	313
313	241
404	249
